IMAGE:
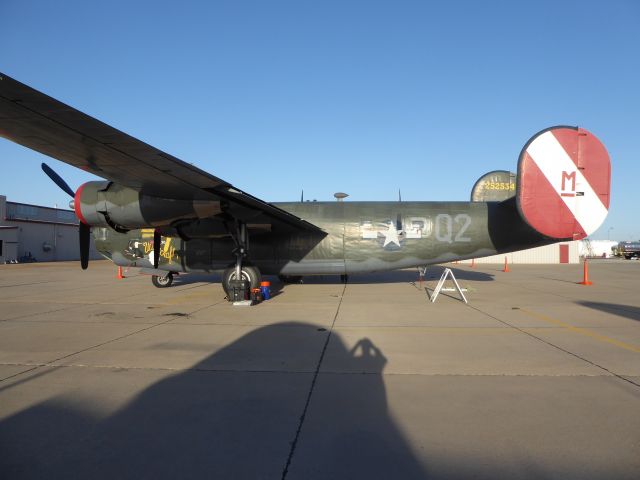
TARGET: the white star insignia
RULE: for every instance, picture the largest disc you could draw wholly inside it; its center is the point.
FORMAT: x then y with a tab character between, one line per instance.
391	235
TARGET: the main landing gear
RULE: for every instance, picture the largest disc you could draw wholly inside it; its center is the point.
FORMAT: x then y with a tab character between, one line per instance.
240	271
248	273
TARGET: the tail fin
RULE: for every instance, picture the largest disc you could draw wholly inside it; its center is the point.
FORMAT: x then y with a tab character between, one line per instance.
563	183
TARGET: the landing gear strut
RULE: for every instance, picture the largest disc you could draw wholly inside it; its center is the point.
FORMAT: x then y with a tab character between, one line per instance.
241	270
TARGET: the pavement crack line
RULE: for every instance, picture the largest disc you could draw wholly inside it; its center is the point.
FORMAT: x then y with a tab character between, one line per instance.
51	363
557	347
17	374
80	305
294	443
292	372
588	332
143	292
20	317
25	284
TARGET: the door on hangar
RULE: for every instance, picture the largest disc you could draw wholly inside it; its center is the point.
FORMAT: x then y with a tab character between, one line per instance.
564	253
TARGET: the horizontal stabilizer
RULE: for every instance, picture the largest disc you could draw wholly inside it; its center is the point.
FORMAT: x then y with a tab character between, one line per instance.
563	183
494	186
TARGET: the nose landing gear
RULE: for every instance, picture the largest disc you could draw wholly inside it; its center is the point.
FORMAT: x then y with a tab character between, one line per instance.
162	281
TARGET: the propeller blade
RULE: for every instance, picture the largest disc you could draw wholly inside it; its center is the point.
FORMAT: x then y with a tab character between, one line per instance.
156	248
57	179
84	231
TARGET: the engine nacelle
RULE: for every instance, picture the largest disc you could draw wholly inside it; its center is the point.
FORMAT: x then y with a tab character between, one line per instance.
107	204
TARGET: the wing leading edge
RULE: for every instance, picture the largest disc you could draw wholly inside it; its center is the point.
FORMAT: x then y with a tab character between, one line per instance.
42	123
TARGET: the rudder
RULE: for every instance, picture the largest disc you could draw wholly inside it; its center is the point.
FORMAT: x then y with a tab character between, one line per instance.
563	182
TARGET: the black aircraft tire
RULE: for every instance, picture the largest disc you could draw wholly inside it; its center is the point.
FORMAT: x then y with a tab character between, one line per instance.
162	282
249	272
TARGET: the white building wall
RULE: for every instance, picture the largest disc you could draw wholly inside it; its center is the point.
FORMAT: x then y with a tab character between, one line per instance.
45	241
48	234
597	248
549	254
9	239
49	242
8	236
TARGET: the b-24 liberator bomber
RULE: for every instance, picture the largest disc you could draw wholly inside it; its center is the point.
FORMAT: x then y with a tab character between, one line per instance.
167	216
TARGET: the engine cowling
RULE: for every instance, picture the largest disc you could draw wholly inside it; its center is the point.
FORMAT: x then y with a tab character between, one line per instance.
107	204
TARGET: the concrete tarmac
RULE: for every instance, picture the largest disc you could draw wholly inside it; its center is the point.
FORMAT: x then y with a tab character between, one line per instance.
537	377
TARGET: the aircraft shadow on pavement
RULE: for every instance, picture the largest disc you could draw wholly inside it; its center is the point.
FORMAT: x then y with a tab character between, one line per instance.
222	419
401	276
627	311
435	272
188	278
398	276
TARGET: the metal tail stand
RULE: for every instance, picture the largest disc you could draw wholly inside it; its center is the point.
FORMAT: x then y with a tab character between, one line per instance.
421	273
447	273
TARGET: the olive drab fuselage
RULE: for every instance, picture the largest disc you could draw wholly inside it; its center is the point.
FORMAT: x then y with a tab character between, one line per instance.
358	237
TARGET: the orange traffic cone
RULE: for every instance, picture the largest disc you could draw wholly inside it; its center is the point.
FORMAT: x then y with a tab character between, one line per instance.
120	275
506	265
585	274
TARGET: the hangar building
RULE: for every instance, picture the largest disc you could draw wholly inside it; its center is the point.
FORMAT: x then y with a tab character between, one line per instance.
31	232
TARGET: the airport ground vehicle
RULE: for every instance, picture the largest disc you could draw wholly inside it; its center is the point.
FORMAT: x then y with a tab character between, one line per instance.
629	250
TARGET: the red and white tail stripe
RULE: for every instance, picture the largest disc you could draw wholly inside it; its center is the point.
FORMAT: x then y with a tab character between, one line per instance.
563	183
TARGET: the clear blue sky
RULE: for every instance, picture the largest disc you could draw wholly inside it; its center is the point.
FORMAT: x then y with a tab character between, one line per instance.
363	97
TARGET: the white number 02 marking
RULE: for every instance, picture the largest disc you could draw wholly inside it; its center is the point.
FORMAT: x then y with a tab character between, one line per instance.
444	227
466	221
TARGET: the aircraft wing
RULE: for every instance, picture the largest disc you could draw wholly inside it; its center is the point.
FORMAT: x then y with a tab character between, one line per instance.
44	124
